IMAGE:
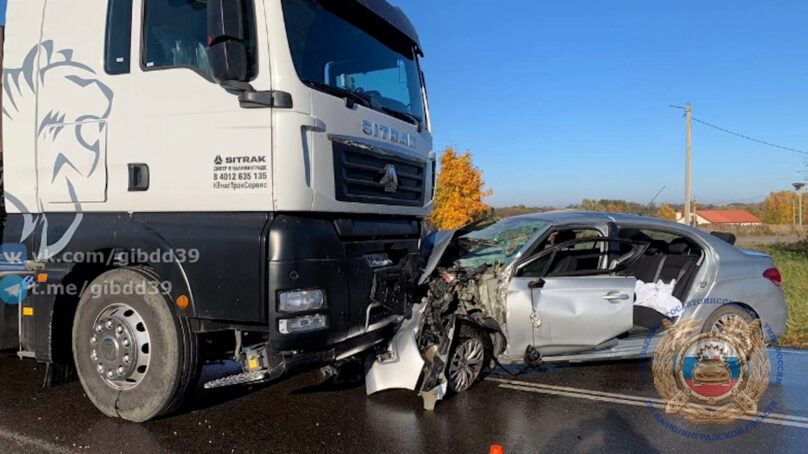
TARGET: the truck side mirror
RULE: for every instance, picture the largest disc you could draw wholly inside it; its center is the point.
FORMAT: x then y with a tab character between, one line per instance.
226	52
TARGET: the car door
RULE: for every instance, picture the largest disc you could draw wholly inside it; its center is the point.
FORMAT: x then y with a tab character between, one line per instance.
576	300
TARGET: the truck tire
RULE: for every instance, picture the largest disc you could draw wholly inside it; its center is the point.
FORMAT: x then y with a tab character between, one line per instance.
468	357
135	358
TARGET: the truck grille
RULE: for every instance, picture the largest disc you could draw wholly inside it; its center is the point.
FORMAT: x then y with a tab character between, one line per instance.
358	173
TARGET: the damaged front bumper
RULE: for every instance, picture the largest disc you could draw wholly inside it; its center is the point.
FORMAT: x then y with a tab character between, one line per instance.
403	366
418	356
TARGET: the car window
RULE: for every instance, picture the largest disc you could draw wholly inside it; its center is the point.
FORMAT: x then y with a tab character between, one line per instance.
560	236
581	257
660	236
176	35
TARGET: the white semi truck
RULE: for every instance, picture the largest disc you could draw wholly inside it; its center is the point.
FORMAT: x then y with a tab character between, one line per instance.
193	179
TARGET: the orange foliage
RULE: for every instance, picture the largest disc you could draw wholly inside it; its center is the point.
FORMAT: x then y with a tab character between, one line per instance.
779	207
459	193
666	212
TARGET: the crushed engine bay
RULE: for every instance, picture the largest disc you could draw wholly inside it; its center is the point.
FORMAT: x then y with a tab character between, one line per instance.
451	296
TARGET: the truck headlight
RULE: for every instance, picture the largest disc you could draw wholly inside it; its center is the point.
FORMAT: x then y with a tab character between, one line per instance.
302	300
303	324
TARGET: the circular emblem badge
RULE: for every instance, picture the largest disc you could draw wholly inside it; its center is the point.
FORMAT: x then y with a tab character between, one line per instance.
711	368
695	372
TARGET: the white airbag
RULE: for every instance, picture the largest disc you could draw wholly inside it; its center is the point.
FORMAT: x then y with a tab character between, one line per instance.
657	296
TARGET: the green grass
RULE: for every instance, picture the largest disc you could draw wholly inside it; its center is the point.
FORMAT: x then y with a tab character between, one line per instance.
792	260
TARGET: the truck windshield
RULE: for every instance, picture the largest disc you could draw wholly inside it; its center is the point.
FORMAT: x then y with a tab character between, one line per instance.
338	49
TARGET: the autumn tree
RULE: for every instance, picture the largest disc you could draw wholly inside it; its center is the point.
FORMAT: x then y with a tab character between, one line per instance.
666	212
779	207
459	192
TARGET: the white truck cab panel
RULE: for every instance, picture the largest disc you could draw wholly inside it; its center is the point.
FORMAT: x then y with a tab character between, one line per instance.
269	147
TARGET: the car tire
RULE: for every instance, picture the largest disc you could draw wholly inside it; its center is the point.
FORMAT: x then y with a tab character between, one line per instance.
715	320
470	353
135	358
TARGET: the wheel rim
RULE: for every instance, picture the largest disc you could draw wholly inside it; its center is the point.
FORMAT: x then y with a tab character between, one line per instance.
120	347
466	364
719	326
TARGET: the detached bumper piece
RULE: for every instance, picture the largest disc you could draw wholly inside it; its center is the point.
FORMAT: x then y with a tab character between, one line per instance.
403	366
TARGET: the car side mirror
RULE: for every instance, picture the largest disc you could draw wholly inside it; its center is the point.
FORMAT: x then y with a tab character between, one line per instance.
226	52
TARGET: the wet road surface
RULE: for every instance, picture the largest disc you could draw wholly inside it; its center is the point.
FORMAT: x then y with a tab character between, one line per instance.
556	408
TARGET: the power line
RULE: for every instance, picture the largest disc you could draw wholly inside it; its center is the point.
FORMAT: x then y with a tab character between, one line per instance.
750	138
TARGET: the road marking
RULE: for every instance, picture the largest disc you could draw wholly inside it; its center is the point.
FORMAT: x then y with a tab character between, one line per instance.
42	445
621	396
626	399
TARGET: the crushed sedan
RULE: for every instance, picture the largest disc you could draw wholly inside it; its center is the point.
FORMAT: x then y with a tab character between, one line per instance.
566	286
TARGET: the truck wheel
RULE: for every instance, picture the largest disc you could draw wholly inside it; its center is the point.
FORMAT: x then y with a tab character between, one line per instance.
467	359
135	359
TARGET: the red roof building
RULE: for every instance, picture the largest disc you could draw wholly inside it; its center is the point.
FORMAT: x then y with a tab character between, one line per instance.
733	217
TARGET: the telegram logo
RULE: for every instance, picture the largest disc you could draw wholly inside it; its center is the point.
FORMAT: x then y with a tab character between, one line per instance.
13	289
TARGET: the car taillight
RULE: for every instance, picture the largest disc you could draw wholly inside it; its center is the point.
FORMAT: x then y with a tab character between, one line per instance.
773	274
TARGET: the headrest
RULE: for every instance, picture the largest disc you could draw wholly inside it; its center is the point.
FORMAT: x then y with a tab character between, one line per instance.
679	247
657	247
634	235
628	234
564	236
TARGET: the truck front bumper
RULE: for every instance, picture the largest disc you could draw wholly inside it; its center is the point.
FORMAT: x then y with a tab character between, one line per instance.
366	268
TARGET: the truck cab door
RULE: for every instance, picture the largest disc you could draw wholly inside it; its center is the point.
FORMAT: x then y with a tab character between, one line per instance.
202	150
577	302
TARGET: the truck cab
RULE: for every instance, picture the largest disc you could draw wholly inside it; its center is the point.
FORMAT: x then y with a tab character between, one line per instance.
193	179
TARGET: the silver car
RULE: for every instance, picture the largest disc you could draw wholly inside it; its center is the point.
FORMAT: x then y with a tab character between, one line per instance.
560	286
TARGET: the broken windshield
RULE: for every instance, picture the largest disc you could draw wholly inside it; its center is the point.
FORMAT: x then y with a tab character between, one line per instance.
499	242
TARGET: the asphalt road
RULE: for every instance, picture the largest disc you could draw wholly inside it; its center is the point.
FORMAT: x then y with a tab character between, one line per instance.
566	408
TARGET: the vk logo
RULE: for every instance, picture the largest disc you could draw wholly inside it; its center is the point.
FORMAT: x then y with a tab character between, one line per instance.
13	289
13	256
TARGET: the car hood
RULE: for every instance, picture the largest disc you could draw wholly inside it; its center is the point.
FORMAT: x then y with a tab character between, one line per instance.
433	250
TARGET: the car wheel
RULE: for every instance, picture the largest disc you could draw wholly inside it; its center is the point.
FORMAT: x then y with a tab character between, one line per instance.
135	359
717	321
467	359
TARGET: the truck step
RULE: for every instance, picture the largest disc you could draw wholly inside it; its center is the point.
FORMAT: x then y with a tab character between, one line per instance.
244	378
247	378
30	267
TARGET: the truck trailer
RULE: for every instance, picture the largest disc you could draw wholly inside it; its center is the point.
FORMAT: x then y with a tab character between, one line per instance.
194	180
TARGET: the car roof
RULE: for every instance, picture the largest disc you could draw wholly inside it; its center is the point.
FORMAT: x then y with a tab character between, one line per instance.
564	217
571	216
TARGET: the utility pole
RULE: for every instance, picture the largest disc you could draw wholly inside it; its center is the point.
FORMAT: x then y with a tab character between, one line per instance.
688	162
794	213
798	189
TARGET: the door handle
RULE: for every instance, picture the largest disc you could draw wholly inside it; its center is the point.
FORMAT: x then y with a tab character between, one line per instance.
615	296
538	283
138	177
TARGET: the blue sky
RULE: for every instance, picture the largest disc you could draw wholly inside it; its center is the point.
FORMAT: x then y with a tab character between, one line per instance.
569	99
